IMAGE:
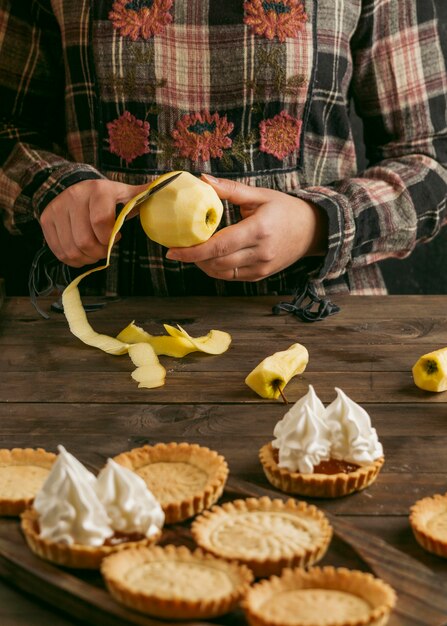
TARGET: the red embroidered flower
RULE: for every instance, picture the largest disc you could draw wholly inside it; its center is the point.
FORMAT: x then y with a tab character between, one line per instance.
275	18
201	136
128	137
280	135
140	18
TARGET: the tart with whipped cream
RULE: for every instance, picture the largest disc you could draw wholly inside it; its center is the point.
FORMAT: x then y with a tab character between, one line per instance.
266	535
428	519
323	452
78	519
175	583
320	597
22	473
185	478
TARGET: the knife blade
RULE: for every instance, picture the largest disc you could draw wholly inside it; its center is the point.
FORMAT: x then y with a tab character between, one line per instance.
156	188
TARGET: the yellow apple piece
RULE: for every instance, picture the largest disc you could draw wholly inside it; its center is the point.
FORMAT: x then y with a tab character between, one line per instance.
430	371
185	213
149	372
269	378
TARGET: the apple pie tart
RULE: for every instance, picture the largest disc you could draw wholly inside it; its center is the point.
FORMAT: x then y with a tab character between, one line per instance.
319	597
76	555
22	473
175	583
331	479
266	535
185	478
428	519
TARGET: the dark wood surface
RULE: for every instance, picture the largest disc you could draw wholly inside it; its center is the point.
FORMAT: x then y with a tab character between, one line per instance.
53	390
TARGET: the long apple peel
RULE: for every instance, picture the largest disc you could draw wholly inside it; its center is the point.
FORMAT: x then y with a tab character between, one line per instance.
147	375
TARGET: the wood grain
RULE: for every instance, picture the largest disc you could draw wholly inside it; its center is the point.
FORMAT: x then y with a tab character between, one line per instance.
54	389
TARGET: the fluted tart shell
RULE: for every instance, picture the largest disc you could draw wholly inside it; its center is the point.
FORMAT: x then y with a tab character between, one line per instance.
264	534
173	582
185	478
428	519
75	555
317	485
22	474
325	596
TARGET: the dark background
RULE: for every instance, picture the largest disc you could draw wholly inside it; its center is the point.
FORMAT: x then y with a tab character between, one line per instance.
423	272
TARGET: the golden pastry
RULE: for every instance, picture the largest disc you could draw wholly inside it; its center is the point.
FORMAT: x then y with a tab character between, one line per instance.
428	519
174	582
319	597
185	478
266	535
22	473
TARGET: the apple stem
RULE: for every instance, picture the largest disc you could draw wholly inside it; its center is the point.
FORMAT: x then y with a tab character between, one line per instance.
282	395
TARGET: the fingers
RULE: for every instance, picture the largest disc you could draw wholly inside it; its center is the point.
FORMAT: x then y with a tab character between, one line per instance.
77	225
236	193
224	243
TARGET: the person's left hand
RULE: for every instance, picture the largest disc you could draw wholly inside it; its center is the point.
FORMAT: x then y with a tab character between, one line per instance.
276	230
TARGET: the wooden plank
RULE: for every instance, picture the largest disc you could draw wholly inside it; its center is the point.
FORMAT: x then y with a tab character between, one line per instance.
220	387
400	483
230	421
243	355
19	331
189	309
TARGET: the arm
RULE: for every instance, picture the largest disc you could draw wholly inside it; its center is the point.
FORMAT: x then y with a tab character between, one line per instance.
400	87
34	168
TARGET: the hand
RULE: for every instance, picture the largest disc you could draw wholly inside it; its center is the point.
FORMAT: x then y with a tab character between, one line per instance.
276	230
78	223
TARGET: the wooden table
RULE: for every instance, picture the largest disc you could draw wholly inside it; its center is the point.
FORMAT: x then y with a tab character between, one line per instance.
54	389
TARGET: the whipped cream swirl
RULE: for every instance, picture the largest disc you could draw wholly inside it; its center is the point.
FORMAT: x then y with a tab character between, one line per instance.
353	438
129	503
69	509
302	436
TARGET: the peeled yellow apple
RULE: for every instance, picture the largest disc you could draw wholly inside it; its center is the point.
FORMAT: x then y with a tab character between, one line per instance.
186	212
270	377
430	371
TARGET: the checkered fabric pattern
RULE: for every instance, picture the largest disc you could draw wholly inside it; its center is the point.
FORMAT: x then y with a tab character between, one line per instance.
258	91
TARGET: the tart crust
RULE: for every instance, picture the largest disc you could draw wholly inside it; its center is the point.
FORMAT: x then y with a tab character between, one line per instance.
174	582
317	485
185	478
22	473
428	519
266	535
75	555
319	597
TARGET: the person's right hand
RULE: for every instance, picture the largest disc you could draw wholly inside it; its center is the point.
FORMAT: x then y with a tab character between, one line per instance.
78	223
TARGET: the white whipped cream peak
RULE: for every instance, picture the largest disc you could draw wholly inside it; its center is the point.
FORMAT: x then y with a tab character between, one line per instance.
68	507
353	437
311	400
130	504
302	437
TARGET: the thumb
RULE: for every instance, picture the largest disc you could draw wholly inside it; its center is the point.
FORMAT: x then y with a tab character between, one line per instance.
236	193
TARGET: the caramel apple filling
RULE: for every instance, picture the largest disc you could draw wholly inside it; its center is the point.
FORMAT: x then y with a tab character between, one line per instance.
331	466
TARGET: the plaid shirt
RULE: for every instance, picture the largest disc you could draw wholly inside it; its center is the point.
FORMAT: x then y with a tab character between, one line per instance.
256	91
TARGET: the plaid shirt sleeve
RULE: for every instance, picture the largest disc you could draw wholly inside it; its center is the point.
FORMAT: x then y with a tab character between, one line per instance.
399	86
33	167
